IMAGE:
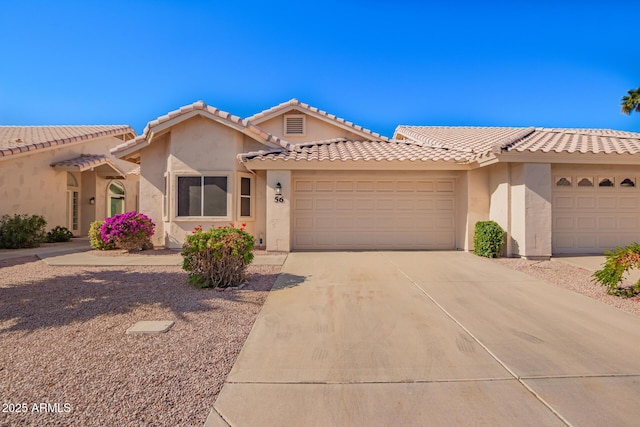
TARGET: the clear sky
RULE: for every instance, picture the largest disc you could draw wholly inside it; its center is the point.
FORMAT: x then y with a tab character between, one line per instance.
376	63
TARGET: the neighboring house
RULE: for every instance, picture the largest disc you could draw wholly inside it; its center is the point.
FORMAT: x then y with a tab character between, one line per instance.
303	179
66	174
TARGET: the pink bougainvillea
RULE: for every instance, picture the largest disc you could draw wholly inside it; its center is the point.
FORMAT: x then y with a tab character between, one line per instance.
131	231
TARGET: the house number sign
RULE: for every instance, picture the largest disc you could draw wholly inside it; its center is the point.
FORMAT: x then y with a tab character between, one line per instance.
279	199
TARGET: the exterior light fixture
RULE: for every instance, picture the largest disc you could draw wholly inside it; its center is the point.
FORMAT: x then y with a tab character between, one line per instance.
278	198
92	201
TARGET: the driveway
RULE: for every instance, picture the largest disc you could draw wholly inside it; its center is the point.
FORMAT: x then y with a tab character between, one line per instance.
430	338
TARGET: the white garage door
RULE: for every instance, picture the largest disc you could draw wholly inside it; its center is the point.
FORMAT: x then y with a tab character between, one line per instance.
592	214
394	211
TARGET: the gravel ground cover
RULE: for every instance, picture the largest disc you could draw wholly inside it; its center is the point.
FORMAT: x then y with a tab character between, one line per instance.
570	277
65	358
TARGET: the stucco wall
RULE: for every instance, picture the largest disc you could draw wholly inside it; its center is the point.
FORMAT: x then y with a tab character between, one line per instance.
499	202
478	201
29	185
316	129
278	214
531	210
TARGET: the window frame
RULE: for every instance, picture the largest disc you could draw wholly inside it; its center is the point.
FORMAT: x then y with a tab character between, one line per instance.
204	174
252	196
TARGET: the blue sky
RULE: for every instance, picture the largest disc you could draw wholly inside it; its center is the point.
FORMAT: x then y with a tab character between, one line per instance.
376	63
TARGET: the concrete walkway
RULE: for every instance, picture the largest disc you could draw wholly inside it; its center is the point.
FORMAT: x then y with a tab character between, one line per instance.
78	253
430	338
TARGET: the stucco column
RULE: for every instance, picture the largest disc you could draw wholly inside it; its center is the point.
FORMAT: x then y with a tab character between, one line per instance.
477	203
278	214
531	210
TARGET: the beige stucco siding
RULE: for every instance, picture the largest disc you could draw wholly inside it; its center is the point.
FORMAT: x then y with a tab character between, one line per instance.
316	129
29	185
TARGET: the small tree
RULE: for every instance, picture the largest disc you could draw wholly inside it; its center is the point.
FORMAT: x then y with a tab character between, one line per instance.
619	262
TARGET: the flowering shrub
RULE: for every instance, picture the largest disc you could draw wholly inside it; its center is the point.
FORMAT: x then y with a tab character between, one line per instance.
218	257
131	231
617	264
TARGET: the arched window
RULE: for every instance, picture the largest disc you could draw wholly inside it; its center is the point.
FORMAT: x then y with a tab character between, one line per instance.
116	198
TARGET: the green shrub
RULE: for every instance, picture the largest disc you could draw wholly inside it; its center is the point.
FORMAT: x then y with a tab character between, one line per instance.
218	257
618	262
488	239
21	231
95	237
59	234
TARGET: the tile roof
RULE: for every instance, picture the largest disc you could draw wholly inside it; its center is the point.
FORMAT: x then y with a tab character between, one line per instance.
199	106
341	149
21	139
475	140
301	106
582	141
484	140
90	161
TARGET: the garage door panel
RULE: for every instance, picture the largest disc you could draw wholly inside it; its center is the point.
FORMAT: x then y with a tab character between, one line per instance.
608	202
303	186
628	202
392	213
628	223
608	223
344	186
445	205
304	205
563	202
444	186
564	223
324	186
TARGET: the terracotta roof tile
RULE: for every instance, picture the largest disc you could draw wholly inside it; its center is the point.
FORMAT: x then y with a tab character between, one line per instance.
88	161
341	149
302	106
20	139
579	141
484	140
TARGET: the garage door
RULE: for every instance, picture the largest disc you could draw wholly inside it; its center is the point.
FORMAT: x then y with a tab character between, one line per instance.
592	214
394	211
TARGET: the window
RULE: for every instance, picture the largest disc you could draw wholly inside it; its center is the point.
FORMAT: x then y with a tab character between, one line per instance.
585	182
202	196
165	197
246	191
116	199
294	125
606	182
73	203
628	182
563	182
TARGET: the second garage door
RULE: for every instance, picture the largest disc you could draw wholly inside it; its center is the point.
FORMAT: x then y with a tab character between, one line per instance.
393	211
594	213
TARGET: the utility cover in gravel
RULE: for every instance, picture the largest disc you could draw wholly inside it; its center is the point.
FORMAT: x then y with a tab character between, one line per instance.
150	327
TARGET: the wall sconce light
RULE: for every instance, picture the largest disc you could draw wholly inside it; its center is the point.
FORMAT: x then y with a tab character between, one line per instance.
279	198
92	201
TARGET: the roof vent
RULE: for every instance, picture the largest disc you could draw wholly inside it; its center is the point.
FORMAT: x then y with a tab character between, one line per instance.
294	124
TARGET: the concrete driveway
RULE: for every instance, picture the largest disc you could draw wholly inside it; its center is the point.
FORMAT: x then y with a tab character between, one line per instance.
430	338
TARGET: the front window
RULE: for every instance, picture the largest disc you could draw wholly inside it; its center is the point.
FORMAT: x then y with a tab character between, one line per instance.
202	196
245	196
